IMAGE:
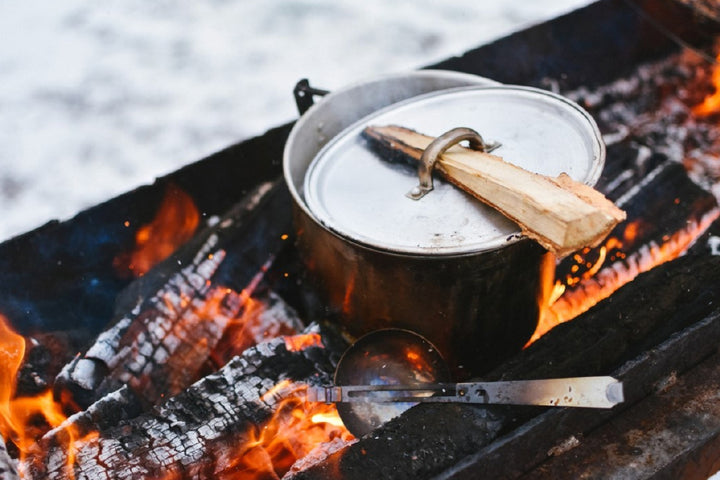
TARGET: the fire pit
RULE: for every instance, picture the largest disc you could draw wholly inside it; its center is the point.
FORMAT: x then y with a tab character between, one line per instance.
129	363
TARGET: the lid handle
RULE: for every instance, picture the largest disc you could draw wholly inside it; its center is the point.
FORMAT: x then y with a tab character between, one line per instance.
437	147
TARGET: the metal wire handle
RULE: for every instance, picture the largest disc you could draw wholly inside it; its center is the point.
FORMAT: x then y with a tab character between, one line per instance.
436	148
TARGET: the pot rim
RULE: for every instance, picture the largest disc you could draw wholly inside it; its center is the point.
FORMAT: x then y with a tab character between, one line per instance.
304	123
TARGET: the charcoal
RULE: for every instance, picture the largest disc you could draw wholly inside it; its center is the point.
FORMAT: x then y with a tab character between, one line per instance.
666	213
160	340
105	413
188	434
8	470
45	356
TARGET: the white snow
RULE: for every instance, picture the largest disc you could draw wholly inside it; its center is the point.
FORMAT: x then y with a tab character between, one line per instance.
97	98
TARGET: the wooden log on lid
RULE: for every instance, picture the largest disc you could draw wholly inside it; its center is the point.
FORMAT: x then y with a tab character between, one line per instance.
559	213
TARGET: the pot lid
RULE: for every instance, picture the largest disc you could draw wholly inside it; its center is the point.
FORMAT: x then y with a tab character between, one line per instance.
353	192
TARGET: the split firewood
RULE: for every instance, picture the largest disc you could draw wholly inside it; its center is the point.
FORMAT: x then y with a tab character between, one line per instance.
560	213
172	318
200	432
8	470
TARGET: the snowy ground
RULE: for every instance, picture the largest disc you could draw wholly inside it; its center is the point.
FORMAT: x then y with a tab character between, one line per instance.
99	97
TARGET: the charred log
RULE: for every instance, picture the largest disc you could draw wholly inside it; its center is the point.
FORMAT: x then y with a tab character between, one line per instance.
8	470
108	412
45	355
193	434
666	213
674	433
683	294
170	319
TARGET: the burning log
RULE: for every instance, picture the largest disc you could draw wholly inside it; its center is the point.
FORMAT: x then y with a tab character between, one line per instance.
45	355
8	471
609	338
107	412
561	214
170	321
666	213
204	430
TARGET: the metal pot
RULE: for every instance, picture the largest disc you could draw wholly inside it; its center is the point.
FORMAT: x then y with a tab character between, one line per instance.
471	290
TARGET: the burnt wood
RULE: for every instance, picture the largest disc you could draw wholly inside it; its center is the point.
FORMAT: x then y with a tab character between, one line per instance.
170	320
8	470
191	434
636	334
674	433
61	275
45	355
666	210
609	39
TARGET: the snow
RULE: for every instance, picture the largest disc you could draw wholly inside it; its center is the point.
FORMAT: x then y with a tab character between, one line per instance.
97	98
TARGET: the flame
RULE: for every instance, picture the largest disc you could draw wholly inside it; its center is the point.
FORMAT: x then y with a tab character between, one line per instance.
174	224
23	420
296	343
559	303
296	428
347	299
711	103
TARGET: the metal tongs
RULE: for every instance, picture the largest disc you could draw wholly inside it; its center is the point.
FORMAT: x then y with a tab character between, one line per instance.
388	371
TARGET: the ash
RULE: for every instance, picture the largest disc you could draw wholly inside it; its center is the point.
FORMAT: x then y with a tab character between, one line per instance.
651	111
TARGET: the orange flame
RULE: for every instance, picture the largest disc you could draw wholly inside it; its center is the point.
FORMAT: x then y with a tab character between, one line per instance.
23	420
711	103
559	304
174	224
297	343
296	428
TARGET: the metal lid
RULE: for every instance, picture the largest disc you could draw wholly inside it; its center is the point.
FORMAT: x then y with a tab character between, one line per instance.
354	193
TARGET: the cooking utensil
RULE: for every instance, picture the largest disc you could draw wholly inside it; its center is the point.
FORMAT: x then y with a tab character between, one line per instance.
388	371
447	267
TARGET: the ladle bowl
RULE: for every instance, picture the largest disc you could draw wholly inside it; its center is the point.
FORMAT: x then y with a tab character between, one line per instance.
388	371
386	357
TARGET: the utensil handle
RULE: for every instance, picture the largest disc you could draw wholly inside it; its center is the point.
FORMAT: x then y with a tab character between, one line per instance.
587	392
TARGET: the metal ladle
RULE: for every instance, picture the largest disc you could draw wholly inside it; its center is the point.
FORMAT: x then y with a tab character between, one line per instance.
388	371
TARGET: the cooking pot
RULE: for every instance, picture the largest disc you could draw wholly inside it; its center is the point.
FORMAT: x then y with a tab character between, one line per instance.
446	266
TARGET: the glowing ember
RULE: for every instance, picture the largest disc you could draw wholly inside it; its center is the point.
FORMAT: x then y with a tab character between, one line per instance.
297	343
296	428
711	104
559	303
25	419
174	224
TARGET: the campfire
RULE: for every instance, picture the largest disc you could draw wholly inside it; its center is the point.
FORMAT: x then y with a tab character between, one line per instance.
201	366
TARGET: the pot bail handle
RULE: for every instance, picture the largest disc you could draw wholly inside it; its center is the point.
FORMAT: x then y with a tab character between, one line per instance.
437	147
